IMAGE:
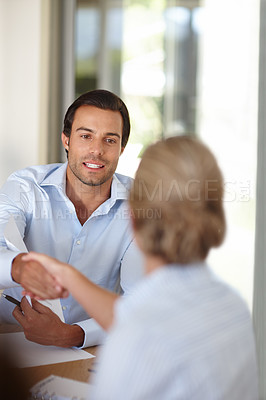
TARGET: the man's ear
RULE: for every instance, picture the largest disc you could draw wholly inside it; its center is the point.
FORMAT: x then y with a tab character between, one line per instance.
122	150
65	141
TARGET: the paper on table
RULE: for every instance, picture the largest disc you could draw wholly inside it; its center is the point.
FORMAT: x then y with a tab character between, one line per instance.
54	305
29	354
15	242
61	388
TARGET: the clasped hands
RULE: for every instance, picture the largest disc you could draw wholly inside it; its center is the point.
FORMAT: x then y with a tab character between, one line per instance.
40	276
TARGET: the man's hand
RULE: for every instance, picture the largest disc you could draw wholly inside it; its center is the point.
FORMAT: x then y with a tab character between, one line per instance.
42	326
35	278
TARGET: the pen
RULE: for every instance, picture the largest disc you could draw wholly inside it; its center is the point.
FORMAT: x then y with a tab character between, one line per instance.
11	299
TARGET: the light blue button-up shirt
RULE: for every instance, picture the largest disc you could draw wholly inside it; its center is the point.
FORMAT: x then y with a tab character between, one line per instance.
102	249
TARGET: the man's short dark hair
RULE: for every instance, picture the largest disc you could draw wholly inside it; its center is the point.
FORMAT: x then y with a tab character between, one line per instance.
101	99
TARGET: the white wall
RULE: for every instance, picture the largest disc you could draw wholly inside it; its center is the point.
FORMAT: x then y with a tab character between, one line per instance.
20	37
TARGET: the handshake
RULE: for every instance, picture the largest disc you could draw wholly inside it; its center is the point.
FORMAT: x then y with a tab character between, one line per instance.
44	277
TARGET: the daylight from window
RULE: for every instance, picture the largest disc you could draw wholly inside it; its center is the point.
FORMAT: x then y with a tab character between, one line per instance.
185	67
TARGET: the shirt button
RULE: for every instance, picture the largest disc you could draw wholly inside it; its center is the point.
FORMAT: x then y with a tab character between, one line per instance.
64	308
78	241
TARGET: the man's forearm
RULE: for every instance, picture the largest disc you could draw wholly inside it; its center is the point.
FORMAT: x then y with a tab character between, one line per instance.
73	337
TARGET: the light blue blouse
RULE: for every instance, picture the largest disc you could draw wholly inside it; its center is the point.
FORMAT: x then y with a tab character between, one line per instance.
183	334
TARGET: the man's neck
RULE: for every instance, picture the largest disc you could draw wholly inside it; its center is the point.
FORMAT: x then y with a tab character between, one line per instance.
86	198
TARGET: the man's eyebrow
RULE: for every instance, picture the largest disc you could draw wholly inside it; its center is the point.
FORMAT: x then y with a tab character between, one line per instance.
82	128
113	134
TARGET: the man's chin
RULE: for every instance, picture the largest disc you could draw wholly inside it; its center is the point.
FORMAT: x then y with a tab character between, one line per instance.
93	179
95	182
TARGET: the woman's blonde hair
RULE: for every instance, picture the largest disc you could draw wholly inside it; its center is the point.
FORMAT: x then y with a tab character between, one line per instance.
176	200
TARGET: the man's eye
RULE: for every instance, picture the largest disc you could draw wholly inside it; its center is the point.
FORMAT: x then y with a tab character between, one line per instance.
111	141
85	136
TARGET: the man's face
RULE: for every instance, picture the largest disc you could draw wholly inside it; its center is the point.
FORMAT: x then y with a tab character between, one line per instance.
94	145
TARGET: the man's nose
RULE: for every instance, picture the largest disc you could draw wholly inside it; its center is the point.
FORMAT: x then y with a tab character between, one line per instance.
96	147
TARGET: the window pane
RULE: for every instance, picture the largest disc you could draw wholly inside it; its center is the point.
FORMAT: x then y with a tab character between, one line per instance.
227	122
87	47
184	67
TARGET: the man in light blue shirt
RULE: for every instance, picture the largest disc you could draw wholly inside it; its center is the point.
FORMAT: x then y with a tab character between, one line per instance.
76	212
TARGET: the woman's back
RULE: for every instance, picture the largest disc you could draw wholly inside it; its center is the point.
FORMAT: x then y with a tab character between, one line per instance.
182	335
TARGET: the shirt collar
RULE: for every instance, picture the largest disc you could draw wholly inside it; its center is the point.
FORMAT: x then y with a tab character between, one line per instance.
118	190
57	178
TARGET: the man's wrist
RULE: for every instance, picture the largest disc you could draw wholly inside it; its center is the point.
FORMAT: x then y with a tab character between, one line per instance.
74	336
16	267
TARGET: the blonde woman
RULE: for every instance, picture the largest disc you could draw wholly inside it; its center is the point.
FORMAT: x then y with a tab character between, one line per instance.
182	334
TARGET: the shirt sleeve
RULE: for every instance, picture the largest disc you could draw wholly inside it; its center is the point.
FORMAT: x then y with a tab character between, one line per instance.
94	334
6	258
121	367
11	203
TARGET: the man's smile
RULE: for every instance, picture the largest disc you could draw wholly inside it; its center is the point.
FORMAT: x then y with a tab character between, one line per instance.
93	165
